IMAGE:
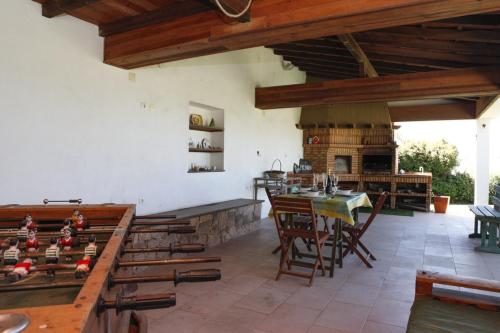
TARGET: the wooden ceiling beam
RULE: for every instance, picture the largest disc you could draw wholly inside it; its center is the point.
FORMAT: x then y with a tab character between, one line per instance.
481	81
169	13
405	60
420	53
477	36
276	21
452	47
433	112
52	8
342	62
352	70
357	52
484	103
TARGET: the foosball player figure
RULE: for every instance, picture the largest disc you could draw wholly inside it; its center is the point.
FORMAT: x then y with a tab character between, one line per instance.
30	224
80	224
74	216
22	233
67	243
91	248
52	255
11	255
32	245
66	226
83	267
20	271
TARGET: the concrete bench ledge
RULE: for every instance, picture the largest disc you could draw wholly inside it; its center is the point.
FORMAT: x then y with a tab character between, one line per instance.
195	211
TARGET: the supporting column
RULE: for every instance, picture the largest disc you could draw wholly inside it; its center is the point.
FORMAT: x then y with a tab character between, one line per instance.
481	190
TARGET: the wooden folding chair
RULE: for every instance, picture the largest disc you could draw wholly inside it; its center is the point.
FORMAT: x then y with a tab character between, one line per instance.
305	220
288	231
354	234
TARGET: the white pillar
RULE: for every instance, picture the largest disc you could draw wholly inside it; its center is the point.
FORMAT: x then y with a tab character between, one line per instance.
481	190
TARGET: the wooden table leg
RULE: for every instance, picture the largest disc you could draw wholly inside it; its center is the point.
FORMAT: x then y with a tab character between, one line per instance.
336	246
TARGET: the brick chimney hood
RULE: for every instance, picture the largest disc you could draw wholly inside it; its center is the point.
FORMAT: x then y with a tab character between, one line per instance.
375	115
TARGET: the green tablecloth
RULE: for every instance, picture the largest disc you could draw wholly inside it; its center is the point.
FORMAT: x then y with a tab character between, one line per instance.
339	206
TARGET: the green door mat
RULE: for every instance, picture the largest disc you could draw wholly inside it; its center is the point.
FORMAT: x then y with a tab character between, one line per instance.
386	211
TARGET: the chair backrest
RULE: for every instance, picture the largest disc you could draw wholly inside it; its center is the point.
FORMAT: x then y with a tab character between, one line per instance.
378	206
283	210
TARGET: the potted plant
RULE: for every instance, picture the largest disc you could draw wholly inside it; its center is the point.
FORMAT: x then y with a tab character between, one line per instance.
441	203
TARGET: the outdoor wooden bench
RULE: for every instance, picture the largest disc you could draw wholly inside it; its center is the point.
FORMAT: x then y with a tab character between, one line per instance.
489	219
448	310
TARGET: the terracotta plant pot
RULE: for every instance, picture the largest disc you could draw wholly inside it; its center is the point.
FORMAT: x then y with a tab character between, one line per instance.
441	203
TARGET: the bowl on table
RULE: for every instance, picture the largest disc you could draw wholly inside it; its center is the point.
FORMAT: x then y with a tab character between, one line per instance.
344	191
309	194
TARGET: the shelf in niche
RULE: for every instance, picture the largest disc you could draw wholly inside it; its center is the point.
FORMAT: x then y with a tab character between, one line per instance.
190	171
205	129
201	150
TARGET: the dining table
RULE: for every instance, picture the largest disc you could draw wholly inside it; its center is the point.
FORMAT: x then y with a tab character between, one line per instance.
343	208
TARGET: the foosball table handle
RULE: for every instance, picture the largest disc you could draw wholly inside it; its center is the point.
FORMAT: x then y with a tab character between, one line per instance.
201	275
181	229
187	248
137	303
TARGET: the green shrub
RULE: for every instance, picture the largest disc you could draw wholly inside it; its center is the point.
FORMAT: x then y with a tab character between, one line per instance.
440	158
493	181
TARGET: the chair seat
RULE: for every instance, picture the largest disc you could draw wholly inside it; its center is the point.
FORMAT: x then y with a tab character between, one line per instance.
322	235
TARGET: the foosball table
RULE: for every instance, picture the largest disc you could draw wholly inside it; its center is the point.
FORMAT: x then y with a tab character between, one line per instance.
74	268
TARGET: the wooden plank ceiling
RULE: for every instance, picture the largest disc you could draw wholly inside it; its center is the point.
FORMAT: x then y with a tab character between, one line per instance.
462	42
330	40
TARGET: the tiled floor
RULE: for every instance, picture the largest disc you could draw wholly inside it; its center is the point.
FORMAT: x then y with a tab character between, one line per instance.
357	299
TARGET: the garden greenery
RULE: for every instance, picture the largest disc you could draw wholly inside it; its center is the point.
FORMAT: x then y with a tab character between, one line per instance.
441	158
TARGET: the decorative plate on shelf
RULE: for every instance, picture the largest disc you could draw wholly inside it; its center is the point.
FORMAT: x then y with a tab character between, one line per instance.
315	140
196	120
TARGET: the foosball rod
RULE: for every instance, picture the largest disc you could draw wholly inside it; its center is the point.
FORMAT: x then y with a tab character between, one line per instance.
175	229
42	268
172	248
164	262
40	286
40	234
202	275
158	216
137	303
41	254
71	201
60	219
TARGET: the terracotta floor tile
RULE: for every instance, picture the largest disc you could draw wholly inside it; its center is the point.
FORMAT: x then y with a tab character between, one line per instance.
354	293
177	321
373	327
312	297
390	312
211	304
343	316
245	283
263	300
231	321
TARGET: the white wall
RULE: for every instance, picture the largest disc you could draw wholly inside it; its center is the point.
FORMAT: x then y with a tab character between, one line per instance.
71	126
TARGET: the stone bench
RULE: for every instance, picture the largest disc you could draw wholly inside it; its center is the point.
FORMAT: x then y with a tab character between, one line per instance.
215	223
